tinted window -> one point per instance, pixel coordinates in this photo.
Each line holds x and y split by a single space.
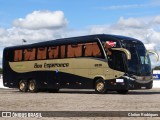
53 52
62 51
17 55
29 54
92 50
74 50
41 53
140 62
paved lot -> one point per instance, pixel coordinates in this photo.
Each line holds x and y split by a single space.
80 100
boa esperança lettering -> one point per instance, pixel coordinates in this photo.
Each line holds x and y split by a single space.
50 65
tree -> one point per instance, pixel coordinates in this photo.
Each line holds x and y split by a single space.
1 70
156 68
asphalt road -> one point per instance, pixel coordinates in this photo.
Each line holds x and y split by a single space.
81 100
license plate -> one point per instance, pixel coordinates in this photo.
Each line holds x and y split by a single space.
119 80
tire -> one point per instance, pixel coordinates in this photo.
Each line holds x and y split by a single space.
32 86
122 91
23 86
100 86
149 86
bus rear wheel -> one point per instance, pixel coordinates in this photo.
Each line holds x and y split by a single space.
23 87
100 86
32 86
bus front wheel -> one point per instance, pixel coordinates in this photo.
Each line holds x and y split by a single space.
32 86
149 86
100 86
23 87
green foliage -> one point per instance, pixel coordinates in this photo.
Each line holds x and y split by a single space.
156 68
1 70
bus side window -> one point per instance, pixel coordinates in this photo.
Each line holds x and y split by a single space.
74 51
29 54
41 53
53 52
88 50
62 51
92 50
17 55
96 50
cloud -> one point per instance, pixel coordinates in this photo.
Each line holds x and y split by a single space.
13 36
152 3
42 20
35 27
150 46
118 7
157 20
2 31
131 22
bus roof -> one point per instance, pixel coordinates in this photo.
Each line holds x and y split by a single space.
75 40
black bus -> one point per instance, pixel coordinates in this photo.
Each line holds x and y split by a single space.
101 62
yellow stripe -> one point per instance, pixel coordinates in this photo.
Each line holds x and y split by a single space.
89 68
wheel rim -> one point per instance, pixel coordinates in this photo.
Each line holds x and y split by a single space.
22 86
31 86
100 86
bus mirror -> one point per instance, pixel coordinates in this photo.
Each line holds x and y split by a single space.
153 52
128 54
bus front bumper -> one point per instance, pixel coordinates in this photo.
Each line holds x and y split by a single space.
124 83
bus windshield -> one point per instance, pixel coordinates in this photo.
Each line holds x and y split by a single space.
140 63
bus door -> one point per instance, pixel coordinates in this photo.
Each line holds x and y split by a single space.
118 58
117 61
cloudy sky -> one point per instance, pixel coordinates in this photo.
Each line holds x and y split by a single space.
42 20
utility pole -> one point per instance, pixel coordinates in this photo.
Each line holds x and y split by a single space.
23 41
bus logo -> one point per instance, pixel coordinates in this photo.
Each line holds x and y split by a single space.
111 43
